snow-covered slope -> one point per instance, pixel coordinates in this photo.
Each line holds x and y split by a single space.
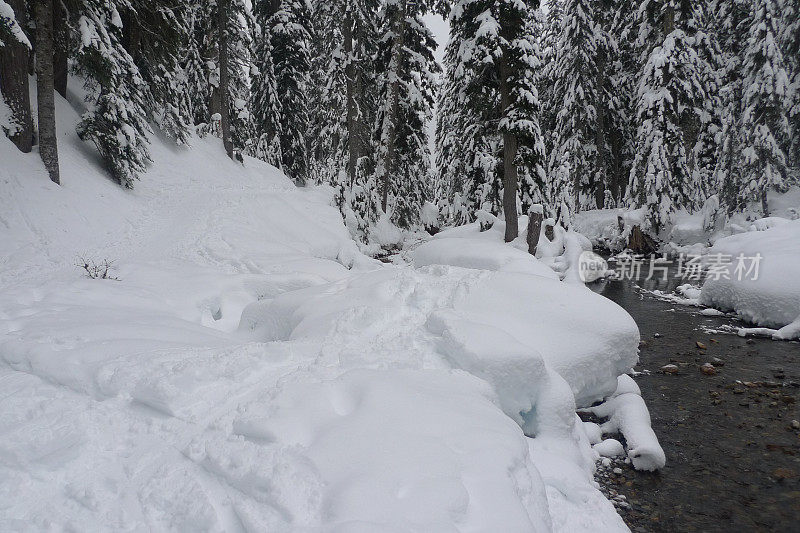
252 371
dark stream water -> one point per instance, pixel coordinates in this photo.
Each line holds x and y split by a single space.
733 456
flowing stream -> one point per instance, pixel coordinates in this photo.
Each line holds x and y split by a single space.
733 454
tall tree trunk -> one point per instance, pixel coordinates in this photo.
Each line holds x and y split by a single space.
222 28
45 90
601 172
353 152
390 117
14 82
60 37
510 176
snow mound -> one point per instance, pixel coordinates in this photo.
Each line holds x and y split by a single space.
250 368
626 413
480 254
773 298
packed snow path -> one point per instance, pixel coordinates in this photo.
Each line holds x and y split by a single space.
250 370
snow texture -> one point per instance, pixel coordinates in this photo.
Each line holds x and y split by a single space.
773 299
251 370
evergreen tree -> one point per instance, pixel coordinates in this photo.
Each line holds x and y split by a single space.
671 96
574 160
764 127
285 64
489 131
408 90
117 122
153 32
344 152
267 108
790 39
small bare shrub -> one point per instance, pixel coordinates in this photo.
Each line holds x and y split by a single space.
97 270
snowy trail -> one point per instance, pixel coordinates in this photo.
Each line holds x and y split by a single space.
252 371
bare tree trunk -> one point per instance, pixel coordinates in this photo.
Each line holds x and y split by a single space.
45 90
353 152
393 98
60 30
510 176
222 28
14 82
765 203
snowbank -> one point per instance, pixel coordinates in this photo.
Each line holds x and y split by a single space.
773 298
251 369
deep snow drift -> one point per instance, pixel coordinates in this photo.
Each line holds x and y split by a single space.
769 297
252 371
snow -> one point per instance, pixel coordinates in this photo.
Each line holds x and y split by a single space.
251 369
10 21
628 414
773 299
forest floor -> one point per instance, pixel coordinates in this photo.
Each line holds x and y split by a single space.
731 439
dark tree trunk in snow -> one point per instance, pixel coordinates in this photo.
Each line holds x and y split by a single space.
765 203
224 104
45 90
60 36
510 177
535 219
14 82
391 116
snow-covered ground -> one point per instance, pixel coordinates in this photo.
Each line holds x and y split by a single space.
251 370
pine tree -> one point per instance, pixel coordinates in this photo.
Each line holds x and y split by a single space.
670 96
575 161
284 55
15 48
764 126
490 109
731 18
408 90
790 39
267 108
117 123
153 32
45 88
344 155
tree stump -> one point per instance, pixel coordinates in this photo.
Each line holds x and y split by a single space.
641 243
534 228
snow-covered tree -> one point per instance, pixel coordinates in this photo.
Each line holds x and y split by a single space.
153 32
577 102
790 39
489 131
345 46
764 124
407 87
117 121
671 96
284 65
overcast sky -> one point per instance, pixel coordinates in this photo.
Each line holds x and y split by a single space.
440 29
